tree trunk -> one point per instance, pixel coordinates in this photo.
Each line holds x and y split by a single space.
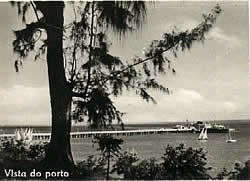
107 176
59 154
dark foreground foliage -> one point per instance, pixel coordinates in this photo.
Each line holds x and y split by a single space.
177 163
21 155
109 147
92 168
240 172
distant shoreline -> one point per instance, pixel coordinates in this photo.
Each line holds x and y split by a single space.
234 121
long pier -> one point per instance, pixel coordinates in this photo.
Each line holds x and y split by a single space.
91 134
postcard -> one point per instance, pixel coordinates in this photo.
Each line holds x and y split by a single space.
124 90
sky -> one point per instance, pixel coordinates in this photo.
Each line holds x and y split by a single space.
211 80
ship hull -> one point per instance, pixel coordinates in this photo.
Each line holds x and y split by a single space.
214 130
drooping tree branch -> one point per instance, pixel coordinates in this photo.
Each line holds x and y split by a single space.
172 41
101 66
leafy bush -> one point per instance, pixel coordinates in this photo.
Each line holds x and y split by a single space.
124 163
177 163
145 170
240 172
21 155
15 150
221 175
91 168
181 163
37 151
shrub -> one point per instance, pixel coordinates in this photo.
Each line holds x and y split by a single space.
222 175
21 155
91 168
181 163
37 151
124 163
145 170
178 163
241 172
16 150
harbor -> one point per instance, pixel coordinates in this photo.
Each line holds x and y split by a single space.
91 134
150 140
80 134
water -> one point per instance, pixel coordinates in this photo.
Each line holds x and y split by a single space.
219 153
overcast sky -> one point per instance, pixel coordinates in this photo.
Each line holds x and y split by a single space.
212 79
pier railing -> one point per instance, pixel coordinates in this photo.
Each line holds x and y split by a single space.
91 134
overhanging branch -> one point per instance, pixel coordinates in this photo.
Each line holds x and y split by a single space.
135 64
184 39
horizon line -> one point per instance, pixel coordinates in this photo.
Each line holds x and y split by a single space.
138 123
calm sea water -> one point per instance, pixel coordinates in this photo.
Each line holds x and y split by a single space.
219 153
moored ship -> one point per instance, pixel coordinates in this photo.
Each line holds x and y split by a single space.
211 128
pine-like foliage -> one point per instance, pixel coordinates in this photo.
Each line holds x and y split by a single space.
110 147
95 75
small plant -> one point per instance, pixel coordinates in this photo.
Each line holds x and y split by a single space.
124 163
222 175
145 170
91 168
240 172
110 147
37 151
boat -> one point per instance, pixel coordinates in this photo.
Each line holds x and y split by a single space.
229 137
203 135
211 128
17 135
24 134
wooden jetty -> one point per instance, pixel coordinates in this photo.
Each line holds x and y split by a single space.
92 134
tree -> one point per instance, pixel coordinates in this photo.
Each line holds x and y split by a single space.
110 147
84 72
60 94
59 153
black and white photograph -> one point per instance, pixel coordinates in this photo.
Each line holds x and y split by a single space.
124 90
